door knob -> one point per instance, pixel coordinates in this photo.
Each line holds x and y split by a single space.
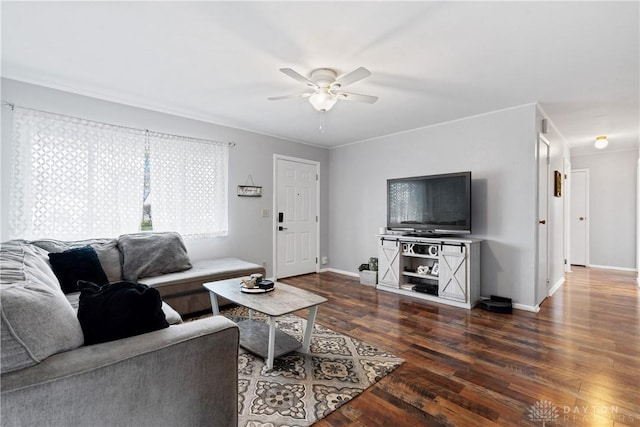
581 218
542 221
281 228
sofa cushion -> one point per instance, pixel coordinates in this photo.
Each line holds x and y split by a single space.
107 250
118 310
206 270
77 264
13 267
152 254
37 321
172 316
184 290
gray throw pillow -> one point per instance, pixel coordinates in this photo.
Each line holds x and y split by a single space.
37 321
107 250
152 254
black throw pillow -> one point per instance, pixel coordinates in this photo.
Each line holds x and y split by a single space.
77 264
118 310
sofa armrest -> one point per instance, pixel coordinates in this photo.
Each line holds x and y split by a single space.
182 375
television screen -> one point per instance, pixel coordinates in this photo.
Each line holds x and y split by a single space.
430 204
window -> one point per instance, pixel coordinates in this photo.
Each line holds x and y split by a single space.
188 185
147 223
74 179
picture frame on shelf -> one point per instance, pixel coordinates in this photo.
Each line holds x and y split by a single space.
435 269
557 184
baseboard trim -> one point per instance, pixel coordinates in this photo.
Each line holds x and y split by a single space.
608 267
556 286
533 309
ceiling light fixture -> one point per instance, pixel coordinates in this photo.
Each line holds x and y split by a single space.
601 142
323 100
327 87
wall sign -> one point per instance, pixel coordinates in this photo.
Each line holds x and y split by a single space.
249 190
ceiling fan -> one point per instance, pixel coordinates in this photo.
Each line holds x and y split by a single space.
327 88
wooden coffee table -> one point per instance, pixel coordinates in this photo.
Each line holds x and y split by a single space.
260 338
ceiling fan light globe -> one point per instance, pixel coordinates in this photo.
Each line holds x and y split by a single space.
323 100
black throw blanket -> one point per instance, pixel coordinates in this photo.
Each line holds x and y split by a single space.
118 310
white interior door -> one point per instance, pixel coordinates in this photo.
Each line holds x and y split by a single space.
296 217
579 218
543 220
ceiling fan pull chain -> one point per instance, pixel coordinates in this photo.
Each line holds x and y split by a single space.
321 128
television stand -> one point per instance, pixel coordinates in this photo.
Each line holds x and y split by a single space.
434 268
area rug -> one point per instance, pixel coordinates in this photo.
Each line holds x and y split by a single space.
303 388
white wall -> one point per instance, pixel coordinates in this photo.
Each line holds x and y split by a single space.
612 207
498 148
250 235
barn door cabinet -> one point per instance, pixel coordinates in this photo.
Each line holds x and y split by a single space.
443 269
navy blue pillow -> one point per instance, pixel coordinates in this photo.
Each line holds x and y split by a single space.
77 264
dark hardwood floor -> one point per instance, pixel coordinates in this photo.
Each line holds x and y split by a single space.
579 356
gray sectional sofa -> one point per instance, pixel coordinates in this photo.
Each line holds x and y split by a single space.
140 257
185 374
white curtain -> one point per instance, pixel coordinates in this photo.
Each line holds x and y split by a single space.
73 178
188 180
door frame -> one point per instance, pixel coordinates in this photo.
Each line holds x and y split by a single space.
587 180
566 189
542 140
274 228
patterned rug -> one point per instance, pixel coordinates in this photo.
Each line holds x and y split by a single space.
303 388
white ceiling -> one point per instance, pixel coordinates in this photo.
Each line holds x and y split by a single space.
432 62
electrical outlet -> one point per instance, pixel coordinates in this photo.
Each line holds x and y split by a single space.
265 213
324 260
264 264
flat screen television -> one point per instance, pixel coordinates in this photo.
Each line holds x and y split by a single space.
430 205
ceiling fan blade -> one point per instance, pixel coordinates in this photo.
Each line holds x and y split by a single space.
352 77
299 77
348 96
295 95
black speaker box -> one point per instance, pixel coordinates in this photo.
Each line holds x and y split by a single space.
427 289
